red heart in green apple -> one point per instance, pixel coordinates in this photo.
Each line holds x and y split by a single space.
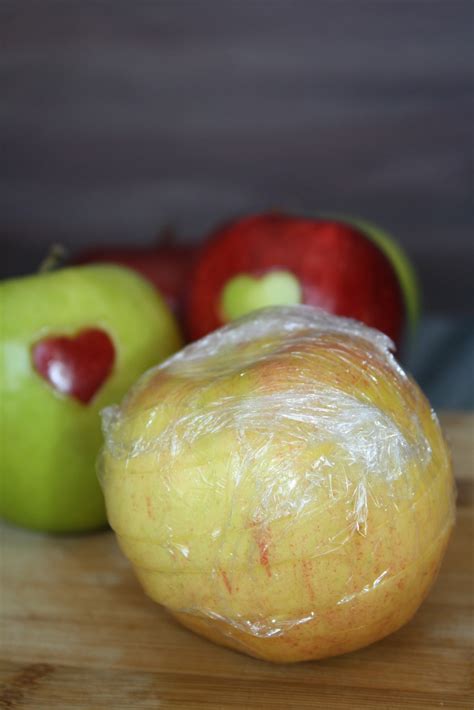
78 365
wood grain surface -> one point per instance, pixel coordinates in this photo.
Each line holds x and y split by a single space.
78 633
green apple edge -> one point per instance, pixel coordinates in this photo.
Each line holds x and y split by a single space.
403 267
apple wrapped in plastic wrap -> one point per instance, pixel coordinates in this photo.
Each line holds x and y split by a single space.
281 485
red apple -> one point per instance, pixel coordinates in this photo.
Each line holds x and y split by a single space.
276 259
165 264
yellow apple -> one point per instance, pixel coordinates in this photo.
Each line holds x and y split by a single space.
281 486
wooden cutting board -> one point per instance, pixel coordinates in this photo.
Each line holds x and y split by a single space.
78 632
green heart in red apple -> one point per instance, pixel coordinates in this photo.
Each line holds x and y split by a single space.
244 293
276 259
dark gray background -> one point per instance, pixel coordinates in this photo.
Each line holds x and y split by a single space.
117 118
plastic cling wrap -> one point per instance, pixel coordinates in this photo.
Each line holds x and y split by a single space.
281 486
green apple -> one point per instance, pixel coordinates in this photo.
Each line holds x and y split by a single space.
72 341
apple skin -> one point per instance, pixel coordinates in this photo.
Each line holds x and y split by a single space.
281 486
402 265
338 267
48 477
166 266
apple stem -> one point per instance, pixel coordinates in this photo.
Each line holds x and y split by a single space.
54 258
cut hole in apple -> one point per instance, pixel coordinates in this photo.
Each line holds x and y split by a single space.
245 293
76 366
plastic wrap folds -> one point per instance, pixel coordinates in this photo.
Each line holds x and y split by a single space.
281 486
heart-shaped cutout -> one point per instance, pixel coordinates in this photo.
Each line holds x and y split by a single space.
244 293
78 365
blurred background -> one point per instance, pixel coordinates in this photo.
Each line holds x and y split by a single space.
116 122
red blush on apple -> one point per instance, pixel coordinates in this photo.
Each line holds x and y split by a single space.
76 366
